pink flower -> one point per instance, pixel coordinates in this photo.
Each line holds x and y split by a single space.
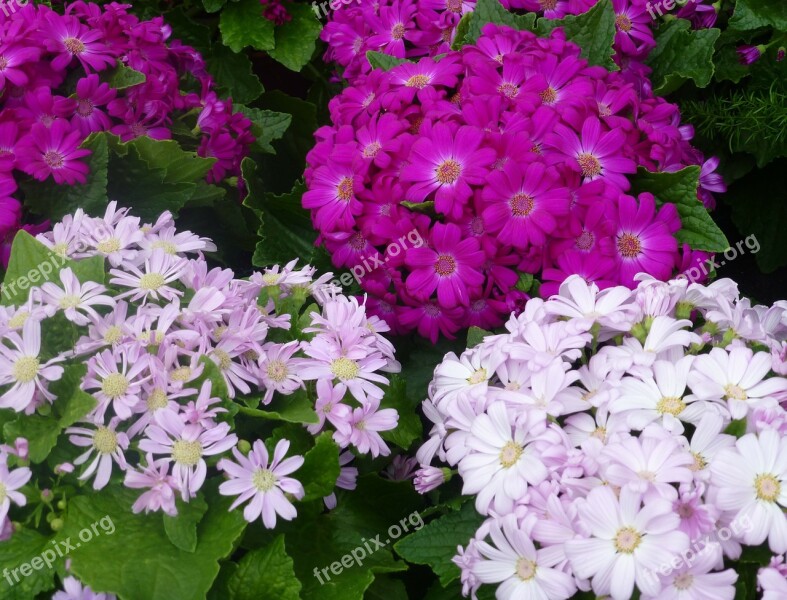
53 151
160 486
75 299
254 478
362 427
108 445
10 482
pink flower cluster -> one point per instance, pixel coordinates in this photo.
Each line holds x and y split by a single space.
411 29
147 338
509 157
53 94
594 436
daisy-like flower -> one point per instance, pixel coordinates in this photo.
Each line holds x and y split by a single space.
74 590
736 377
118 385
628 542
451 265
172 242
90 95
447 163
773 579
264 482
499 465
54 151
706 441
697 581
332 194
468 374
69 39
22 368
10 482
108 446
160 486
351 365
579 299
362 427
160 270
751 482
329 406
661 397
75 299
522 571
186 446
595 154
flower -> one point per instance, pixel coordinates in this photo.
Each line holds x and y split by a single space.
627 540
362 427
751 482
74 590
264 482
10 482
160 485
748 54
53 151
23 369
108 445
75 299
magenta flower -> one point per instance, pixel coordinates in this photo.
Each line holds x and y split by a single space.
69 39
53 151
91 94
447 162
13 55
596 154
254 478
524 203
451 266
748 55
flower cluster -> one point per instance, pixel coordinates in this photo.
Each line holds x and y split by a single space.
619 438
56 89
410 29
170 354
509 157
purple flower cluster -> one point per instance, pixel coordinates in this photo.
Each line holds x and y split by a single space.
595 437
411 29
147 338
53 94
509 157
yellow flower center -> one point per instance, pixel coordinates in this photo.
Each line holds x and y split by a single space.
522 205
3 494
108 246
105 440
73 45
69 301
344 368
510 454
225 362
157 400
114 385
599 433
734 392
509 90
344 191
277 371
186 453
263 479
180 374
113 334
60 249
478 377
683 581
549 95
627 539
26 369
151 281
623 23
19 319
445 265
525 569
589 165
629 245
397 33
768 487
671 404
699 462
448 171
167 247
417 81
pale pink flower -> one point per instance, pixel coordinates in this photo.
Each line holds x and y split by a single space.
155 478
76 300
108 445
362 427
73 590
10 482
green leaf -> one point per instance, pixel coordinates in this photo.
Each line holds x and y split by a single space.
267 125
181 530
213 6
295 39
409 427
461 31
476 335
492 11
680 188
24 546
89 269
40 431
122 77
420 207
30 259
737 427
234 74
593 31
137 561
386 62
53 201
294 408
320 468
267 570
751 14
242 24
386 588
435 544
681 54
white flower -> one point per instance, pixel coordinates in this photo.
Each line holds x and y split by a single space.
74 298
751 481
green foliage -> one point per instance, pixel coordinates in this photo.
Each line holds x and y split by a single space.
234 74
409 428
320 468
435 544
593 32
681 54
23 546
295 40
386 62
680 188
476 335
492 11
751 14
269 569
241 25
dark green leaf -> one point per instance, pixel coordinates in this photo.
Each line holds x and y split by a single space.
294 408
409 427
242 24
681 54
267 571
751 14
182 529
593 31
295 39
234 74
24 546
267 126
122 77
476 335
492 11
320 468
386 62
